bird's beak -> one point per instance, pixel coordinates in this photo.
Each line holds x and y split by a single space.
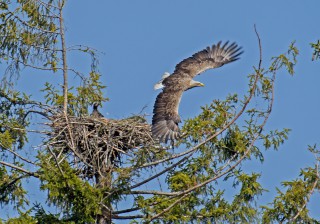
201 84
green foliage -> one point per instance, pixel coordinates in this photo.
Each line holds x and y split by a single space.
212 118
11 189
29 35
316 50
211 207
287 60
275 138
214 145
12 118
290 206
42 217
80 201
87 94
24 218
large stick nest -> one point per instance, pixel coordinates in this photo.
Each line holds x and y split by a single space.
98 143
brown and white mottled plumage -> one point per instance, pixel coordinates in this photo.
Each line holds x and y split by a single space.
165 112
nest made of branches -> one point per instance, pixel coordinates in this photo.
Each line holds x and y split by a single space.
98 143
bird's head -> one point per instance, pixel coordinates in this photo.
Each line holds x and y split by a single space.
194 83
95 106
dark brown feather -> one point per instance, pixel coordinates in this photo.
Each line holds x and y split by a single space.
95 112
165 112
209 58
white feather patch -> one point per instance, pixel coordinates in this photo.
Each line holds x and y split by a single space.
159 85
165 75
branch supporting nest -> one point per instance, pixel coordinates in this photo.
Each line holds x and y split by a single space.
97 143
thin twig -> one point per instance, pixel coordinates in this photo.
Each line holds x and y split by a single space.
19 168
260 48
19 156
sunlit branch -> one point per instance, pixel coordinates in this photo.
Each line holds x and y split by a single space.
19 168
308 196
19 156
48 6
64 60
127 217
160 173
168 208
33 27
16 60
260 47
33 45
56 161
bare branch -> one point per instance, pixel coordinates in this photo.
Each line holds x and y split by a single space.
56 161
260 48
127 217
19 156
64 60
19 168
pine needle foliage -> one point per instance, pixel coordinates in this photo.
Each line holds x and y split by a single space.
100 170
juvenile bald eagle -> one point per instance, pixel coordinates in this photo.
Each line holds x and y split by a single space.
165 112
95 112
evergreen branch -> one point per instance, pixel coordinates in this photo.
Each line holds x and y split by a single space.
16 60
17 101
168 208
128 217
155 192
19 168
308 196
83 48
137 208
126 210
160 173
33 45
33 27
46 69
171 193
47 5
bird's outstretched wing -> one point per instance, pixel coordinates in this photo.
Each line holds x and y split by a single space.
165 113
209 58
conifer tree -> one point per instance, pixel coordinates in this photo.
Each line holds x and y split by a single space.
90 165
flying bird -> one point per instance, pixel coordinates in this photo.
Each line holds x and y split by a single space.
166 118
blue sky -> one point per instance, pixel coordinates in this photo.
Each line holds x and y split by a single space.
143 39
